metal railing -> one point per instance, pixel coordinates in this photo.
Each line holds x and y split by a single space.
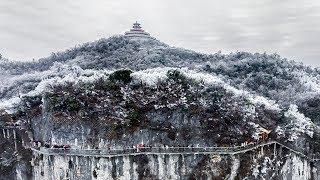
150 150
161 150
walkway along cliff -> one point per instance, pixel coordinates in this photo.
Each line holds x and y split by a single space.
159 162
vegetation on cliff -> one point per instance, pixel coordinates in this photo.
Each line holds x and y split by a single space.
119 84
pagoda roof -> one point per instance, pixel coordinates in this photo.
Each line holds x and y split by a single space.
137 31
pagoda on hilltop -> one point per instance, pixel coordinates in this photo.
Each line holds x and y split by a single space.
137 31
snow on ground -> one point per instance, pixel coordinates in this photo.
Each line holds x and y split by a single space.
300 123
9 104
311 83
152 76
58 74
62 74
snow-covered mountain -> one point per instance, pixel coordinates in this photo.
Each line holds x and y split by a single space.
124 90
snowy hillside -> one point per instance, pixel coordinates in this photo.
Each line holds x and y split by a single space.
267 75
119 86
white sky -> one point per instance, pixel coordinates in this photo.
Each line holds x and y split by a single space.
30 29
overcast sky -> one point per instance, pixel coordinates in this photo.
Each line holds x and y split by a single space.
30 29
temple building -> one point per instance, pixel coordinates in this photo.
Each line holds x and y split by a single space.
137 31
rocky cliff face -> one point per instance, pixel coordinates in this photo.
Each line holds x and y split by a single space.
259 164
119 93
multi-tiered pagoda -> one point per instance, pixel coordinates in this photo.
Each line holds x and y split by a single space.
137 31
